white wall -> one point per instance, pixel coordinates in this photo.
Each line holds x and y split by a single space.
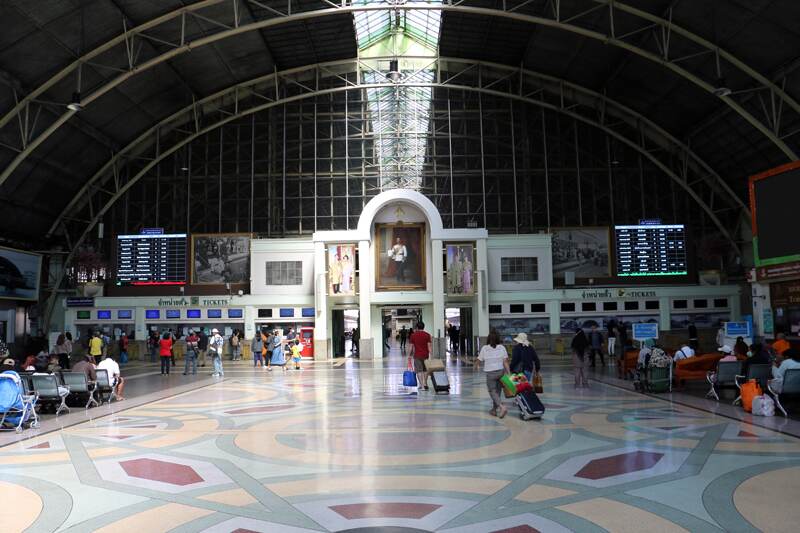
263 250
538 246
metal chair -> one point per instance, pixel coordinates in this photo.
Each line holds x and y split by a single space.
724 376
104 386
761 373
791 386
46 386
79 385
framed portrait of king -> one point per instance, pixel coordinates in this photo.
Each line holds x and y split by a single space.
460 272
399 257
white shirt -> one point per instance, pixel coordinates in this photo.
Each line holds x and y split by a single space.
110 366
398 252
493 357
787 364
216 342
684 353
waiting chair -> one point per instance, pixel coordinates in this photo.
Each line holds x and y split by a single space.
791 386
46 387
16 408
104 387
723 376
79 385
760 373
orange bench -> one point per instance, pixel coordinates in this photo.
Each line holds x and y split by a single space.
627 363
695 368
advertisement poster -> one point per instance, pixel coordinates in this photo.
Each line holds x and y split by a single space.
460 273
341 269
399 257
220 258
19 274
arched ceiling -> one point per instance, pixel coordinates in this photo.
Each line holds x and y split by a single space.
140 61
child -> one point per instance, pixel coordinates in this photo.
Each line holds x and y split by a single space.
296 354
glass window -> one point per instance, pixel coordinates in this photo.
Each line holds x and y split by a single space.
567 307
609 306
495 309
284 272
519 269
631 306
720 302
651 304
589 306
517 308
700 304
538 308
680 304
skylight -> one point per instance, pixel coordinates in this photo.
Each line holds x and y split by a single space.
400 111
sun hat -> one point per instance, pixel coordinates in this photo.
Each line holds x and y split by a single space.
215 330
522 338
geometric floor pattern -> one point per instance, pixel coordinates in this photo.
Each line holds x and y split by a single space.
348 449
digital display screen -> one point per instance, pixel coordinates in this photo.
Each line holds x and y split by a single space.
151 259
235 313
173 313
651 250
286 312
773 201
193 313
125 314
84 315
215 313
104 315
152 314
308 312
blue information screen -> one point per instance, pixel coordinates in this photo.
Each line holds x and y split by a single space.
215 313
235 313
193 313
152 314
737 329
104 315
286 312
173 313
308 312
645 330
125 314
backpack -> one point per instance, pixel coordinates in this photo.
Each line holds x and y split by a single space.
659 359
763 405
234 340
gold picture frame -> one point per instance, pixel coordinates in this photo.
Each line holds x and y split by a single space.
392 274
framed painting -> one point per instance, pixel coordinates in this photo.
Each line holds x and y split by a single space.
399 257
341 269
584 251
220 258
460 270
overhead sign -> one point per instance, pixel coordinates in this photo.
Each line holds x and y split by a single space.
152 231
80 301
645 330
737 329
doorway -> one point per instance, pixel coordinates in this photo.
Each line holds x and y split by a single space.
458 325
398 323
344 332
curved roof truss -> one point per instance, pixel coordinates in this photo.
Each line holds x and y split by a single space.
229 26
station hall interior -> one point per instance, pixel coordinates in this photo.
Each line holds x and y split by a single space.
399 266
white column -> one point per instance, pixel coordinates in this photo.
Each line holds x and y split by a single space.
664 318
437 288
365 287
321 341
139 326
481 311
249 322
554 308
735 301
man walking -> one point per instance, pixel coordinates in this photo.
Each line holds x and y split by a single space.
596 346
215 344
202 347
612 338
191 353
421 347
403 338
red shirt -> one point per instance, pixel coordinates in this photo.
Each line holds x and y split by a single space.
165 345
419 340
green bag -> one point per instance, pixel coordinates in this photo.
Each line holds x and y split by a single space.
509 387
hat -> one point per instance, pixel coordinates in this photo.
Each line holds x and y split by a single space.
215 330
725 349
650 343
522 338
9 362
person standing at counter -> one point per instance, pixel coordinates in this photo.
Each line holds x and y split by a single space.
256 346
202 347
191 353
165 352
215 344
95 347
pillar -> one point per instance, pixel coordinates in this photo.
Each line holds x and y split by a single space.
664 318
366 345
437 289
321 332
481 312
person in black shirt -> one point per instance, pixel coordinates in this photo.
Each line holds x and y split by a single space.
523 357
579 344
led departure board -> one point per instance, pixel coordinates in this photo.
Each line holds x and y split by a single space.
651 250
151 259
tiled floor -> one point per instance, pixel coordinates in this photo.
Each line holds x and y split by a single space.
338 448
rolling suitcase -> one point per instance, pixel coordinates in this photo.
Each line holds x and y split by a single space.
530 407
440 382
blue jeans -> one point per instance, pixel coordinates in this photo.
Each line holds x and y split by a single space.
153 354
257 358
217 360
190 359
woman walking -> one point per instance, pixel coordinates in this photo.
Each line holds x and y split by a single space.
579 344
165 352
494 357
524 358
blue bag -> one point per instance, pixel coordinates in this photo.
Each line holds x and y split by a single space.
409 378
278 358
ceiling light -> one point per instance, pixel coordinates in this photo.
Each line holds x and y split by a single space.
75 104
394 70
722 89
